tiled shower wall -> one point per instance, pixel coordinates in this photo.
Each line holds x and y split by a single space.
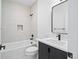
14 14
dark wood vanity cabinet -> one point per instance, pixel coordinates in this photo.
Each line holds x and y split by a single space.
48 52
43 51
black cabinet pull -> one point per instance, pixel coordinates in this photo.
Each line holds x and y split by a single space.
48 53
48 50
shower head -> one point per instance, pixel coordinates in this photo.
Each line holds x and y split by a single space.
31 14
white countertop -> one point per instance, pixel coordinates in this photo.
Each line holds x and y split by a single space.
62 44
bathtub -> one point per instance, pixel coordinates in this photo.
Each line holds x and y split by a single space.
16 50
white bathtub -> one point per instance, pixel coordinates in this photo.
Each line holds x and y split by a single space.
16 50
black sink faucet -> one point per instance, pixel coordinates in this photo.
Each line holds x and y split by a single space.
1 46
59 36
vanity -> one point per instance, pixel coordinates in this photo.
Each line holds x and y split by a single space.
52 49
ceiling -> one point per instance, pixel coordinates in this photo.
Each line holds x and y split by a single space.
24 2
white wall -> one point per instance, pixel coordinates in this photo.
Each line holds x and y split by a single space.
34 11
14 14
0 26
73 27
44 18
44 23
0 21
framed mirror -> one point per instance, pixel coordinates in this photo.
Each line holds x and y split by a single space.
59 18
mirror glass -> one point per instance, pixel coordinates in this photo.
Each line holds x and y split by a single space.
59 18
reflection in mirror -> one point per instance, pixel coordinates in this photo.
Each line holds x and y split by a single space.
59 18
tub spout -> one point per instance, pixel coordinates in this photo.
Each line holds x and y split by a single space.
1 46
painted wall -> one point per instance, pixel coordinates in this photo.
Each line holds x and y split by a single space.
44 19
34 11
0 26
0 21
73 27
14 14
44 24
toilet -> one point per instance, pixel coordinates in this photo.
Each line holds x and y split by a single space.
31 52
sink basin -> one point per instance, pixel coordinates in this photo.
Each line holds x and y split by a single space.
62 44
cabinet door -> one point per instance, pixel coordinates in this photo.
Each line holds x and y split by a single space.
43 51
57 54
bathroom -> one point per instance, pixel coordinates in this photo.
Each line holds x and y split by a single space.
24 22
